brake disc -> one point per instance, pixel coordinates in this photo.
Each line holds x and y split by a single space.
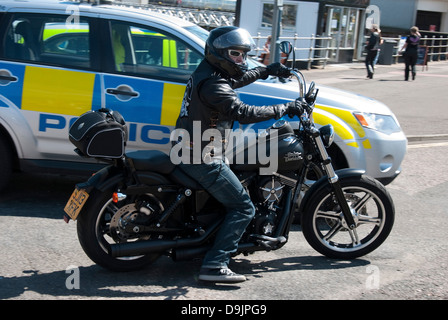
121 220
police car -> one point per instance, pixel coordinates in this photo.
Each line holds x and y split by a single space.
59 60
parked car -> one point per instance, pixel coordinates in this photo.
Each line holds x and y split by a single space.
60 60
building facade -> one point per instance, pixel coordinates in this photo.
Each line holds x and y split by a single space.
342 20
399 15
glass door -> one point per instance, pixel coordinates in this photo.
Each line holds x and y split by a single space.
342 26
333 31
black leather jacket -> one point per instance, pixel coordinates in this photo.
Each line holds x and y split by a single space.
210 102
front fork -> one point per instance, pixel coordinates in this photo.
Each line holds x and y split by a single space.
333 179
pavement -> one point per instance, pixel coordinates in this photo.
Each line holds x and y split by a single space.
420 105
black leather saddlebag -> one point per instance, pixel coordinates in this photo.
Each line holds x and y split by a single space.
99 134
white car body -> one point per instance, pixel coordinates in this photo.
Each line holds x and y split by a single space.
40 99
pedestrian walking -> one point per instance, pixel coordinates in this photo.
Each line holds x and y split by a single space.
372 47
410 52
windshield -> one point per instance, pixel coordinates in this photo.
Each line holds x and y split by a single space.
198 32
203 35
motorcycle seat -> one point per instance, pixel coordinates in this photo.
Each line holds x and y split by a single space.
160 162
151 160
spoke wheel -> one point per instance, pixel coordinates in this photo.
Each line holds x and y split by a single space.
372 209
97 231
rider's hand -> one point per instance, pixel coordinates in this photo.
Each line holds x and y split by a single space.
278 70
295 108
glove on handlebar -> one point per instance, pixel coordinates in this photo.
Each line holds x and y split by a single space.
279 70
295 108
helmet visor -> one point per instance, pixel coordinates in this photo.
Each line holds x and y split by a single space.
238 38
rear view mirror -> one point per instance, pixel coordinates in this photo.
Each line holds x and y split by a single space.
286 47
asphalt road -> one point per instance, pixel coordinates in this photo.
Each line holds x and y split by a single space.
41 258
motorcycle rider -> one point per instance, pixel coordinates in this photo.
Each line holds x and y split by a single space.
210 102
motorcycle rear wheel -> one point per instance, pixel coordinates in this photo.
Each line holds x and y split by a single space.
93 229
324 226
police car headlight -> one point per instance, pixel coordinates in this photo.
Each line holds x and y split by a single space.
380 122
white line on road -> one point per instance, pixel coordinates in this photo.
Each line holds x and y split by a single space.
428 145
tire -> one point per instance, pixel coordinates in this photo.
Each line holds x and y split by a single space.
324 227
93 223
5 164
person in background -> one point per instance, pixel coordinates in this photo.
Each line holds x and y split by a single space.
372 47
410 49
264 57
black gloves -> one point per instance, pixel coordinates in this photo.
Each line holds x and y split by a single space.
278 70
295 108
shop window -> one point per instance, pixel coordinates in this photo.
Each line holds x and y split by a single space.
288 16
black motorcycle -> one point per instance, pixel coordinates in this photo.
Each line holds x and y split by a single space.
142 206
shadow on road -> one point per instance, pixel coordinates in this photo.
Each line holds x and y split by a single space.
163 280
47 192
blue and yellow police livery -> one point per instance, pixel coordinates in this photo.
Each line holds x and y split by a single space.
59 60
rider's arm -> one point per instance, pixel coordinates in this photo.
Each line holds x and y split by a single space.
249 77
261 72
217 93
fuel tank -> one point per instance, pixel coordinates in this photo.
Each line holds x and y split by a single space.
288 151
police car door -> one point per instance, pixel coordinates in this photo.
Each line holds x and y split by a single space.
146 82
49 80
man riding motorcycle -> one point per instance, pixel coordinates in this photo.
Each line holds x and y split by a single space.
210 102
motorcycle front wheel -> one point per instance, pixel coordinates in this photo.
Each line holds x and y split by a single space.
95 235
372 208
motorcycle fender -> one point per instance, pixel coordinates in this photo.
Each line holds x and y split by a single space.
323 182
109 177
104 181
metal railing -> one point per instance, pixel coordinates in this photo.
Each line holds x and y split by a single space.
202 17
317 49
437 47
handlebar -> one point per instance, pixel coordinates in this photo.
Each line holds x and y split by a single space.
301 79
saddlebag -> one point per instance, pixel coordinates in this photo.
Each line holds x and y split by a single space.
99 134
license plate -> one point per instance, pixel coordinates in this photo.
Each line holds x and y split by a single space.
75 203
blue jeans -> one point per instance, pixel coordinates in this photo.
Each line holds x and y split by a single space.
217 178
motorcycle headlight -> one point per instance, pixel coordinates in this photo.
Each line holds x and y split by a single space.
380 122
327 134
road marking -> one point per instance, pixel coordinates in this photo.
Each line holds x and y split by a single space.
428 145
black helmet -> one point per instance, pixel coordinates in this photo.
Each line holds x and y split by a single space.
217 46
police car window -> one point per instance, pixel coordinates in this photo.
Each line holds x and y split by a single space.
48 39
148 52
21 40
